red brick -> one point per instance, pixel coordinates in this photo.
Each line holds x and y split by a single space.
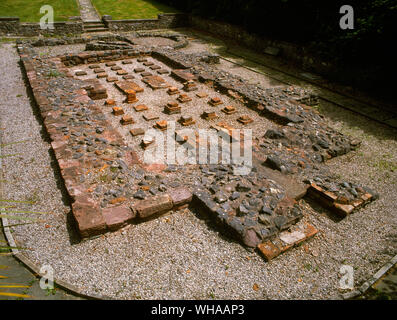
343 209
118 111
269 250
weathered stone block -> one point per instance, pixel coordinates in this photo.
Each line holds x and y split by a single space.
153 206
118 217
137 131
140 108
88 217
180 196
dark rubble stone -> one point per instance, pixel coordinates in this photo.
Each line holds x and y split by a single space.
243 210
264 219
274 134
242 187
153 191
214 188
249 222
236 225
274 162
235 195
139 195
266 210
280 222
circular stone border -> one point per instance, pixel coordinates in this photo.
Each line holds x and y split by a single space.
27 263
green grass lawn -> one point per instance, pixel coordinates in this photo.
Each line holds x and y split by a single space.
131 9
29 10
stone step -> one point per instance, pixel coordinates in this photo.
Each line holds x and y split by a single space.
97 30
92 21
93 24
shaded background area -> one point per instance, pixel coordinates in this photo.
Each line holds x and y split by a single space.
364 54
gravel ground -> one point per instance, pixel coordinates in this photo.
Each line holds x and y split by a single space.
180 256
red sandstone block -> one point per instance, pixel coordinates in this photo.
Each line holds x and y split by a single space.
128 85
184 98
110 102
85 56
172 91
137 132
183 75
153 206
117 217
269 250
245 119
128 77
64 163
215 101
161 125
229 110
343 209
88 216
180 197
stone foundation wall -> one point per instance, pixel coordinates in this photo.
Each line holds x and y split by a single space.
164 21
11 26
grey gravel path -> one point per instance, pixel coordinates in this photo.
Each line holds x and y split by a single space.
87 11
180 255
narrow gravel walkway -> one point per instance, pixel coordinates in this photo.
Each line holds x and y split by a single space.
14 95
87 11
